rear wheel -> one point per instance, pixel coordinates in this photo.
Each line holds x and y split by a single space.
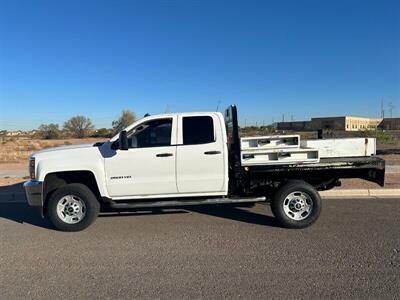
296 205
73 207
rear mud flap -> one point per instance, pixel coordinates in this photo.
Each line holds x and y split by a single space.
375 175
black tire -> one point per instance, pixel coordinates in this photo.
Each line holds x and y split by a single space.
92 207
281 199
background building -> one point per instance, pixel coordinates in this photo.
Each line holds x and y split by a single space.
346 123
390 124
359 123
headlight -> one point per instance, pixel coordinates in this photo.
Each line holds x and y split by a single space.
32 168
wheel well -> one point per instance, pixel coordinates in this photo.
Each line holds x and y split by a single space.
53 181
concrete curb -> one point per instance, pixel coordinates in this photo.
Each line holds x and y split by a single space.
361 193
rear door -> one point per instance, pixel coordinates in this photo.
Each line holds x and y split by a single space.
200 155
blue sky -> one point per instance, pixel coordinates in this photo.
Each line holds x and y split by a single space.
299 58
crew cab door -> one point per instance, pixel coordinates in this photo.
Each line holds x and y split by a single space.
148 166
201 155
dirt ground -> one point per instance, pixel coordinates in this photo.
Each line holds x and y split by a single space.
392 181
391 159
23 165
18 149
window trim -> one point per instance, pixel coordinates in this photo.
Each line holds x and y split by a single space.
197 116
172 144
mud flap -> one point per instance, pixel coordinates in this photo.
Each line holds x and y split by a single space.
376 174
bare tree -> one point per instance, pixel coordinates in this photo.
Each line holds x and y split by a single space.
49 131
127 117
103 132
78 126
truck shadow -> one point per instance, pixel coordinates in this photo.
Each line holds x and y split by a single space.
225 211
13 207
21 212
236 213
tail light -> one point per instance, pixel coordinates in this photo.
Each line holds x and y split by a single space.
32 168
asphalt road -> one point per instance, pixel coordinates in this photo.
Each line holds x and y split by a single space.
353 251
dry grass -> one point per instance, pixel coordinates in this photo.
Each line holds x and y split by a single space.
18 149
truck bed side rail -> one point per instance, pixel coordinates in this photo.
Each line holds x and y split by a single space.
368 168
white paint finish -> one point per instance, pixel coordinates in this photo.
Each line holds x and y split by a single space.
79 158
198 172
347 147
138 171
269 142
279 157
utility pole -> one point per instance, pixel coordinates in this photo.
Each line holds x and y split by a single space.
283 117
382 110
219 101
292 118
391 107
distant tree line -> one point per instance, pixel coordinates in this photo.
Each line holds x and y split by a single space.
81 127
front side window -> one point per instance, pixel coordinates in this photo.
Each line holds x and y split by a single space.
155 133
198 130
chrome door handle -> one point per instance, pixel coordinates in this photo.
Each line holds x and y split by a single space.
212 152
164 154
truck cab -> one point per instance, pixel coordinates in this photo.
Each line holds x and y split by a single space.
168 156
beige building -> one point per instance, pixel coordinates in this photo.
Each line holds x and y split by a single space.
359 123
346 123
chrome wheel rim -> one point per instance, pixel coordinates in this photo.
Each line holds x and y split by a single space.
298 205
71 209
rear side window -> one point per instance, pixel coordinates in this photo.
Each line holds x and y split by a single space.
198 130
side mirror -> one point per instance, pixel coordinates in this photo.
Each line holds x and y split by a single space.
123 140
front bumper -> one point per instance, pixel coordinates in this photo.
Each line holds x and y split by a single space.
34 192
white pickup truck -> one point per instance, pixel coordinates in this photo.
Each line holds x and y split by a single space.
180 159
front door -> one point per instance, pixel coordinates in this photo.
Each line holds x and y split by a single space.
148 166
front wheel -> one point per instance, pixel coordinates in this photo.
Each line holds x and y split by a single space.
296 205
73 207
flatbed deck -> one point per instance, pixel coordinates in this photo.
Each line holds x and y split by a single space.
330 163
370 168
